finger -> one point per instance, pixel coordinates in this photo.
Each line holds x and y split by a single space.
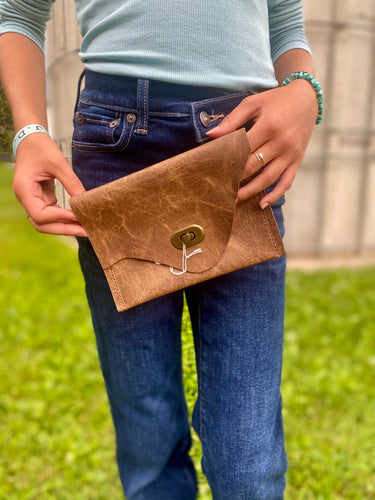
59 228
56 167
43 214
71 182
269 175
244 112
42 205
53 213
258 159
285 182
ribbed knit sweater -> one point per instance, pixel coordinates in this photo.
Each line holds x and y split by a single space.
229 44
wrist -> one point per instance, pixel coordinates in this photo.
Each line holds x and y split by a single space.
314 85
307 93
25 132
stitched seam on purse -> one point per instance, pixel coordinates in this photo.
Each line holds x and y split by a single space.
267 223
119 294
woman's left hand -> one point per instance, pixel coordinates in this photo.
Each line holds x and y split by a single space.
283 119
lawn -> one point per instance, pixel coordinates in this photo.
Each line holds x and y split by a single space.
56 436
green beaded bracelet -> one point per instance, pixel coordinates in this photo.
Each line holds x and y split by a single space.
315 85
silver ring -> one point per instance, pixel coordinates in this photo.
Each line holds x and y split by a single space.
260 157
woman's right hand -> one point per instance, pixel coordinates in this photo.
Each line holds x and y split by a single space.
39 162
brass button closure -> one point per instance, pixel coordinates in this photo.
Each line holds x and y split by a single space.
190 235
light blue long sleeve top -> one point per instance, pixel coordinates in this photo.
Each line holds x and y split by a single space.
229 44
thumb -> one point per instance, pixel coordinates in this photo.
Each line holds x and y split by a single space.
70 181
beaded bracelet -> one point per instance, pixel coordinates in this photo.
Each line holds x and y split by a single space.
315 85
24 132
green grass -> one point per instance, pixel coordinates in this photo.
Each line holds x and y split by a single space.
56 436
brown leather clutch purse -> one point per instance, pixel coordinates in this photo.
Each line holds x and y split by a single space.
177 223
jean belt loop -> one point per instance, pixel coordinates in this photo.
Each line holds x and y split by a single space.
142 105
79 88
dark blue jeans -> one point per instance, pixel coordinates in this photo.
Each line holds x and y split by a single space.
123 125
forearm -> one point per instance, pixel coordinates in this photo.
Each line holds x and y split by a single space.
22 73
283 119
292 61
39 160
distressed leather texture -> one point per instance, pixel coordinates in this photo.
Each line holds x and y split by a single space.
130 222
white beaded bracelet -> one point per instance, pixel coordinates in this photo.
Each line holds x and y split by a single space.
24 132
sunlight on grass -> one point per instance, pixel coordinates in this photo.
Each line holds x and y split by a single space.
56 434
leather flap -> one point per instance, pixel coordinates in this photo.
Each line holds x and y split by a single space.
134 217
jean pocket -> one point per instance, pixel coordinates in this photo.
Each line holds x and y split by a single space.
98 128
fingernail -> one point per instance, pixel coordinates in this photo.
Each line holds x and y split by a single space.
212 130
264 205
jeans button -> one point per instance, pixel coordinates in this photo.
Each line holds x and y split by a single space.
130 118
205 119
